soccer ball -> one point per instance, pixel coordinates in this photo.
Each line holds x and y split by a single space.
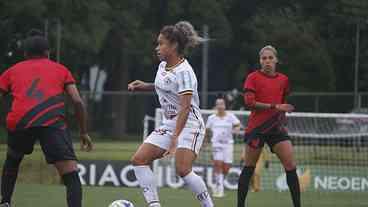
121 203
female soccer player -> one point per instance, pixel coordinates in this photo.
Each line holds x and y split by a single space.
37 86
221 126
182 132
265 94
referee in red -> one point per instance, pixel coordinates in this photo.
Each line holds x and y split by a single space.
37 86
265 94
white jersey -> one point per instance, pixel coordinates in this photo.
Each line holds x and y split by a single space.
222 127
170 85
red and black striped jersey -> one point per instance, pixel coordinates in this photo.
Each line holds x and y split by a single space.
37 86
266 89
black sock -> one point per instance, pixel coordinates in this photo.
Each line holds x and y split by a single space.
293 183
9 177
243 184
73 189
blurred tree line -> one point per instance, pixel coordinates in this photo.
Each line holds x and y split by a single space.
315 39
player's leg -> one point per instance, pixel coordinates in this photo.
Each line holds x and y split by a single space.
58 149
228 155
187 151
184 159
141 161
19 143
228 158
10 174
153 148
68 171
256 185
284 151
252 151
218 162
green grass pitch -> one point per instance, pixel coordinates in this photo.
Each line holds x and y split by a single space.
44 194
30 195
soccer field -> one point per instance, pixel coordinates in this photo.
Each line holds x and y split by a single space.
29 195
34 170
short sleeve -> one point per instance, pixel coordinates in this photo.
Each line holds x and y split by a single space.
209 123
235 120
249 84
186 82
5 81
68 78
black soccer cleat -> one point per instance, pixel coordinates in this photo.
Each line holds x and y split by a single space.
4 204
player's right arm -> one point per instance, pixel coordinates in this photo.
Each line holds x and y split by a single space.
250 98
81 114
139 85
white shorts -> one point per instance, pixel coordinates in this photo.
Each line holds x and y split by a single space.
223 152
189 138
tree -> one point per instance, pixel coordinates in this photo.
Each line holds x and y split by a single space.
303 55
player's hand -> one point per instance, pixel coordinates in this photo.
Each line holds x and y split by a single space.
86 142
172 149
285 107
137 84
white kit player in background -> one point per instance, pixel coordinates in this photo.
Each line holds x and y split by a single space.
220 128
182 132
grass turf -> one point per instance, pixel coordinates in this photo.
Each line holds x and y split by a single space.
35 170
29 195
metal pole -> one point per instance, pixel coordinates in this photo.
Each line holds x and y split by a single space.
205 67
46 28
356 67
58 41
46 33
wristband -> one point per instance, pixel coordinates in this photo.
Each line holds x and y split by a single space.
273 106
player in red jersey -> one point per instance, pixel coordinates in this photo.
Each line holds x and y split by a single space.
265 94
37 86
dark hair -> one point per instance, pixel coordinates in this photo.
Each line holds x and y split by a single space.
223 97
35 44
182 33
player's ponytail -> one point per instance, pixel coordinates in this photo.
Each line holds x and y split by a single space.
184 34
192 39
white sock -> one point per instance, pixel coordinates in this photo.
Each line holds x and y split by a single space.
147 182
219 177
197 186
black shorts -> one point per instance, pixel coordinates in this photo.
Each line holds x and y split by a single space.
258 140
56 143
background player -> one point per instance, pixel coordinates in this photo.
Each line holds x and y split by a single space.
222 126
183 129
37 86
265 94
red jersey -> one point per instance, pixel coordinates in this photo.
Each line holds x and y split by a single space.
37 87
266 89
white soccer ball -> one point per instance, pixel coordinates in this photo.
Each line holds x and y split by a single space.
121 203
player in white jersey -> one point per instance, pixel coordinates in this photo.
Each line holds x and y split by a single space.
221 126
182 132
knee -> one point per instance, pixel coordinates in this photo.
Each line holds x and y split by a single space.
289 165
139 160
66 166
182 171
250 163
